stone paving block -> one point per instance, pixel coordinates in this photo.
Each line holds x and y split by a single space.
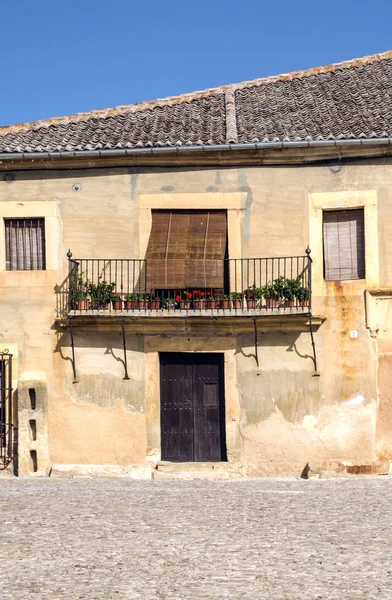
248 539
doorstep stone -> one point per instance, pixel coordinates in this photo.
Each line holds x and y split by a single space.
81 470
191 475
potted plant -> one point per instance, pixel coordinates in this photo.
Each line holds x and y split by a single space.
186 300
199 299
170 303
117 302
131 301
79 290
144 301
252 294
271 294
212 301
303 296
226 303
155 302
279 285
236 298
291 287
101 294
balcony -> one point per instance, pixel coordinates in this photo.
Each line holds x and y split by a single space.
103 291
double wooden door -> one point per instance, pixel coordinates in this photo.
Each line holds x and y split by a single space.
192 407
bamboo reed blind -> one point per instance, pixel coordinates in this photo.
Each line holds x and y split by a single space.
25 244
186 249
344 244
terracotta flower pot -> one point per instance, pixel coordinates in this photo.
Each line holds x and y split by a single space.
155 304
82 304
131 304
212 304
272 302
226 304
251 304
237 304
185 305
143 304
199 304
289 303
303 303
117 305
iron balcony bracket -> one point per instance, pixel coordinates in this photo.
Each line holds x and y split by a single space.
310 259
75 379
316 373
126 376
256 343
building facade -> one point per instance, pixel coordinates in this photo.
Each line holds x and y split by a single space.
202 281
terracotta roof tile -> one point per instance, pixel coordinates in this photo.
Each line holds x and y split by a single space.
346 100
332 104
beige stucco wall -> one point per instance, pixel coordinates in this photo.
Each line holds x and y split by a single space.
278 415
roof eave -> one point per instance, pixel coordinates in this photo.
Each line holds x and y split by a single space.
275 145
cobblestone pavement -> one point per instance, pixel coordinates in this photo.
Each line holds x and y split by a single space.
179 540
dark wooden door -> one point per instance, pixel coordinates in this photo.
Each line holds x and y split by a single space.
192 407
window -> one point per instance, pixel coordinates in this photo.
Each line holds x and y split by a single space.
25 244
344 244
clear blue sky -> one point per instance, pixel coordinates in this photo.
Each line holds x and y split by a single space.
66 56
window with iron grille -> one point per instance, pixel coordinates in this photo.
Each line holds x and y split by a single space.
344 244
25 244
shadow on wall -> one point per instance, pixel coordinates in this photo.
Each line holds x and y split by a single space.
61 292
272 340
111 343
283 383
280 382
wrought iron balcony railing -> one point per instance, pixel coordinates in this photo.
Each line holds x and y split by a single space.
193 287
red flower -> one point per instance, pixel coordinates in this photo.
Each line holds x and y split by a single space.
202 294
250 295
178 298
189 295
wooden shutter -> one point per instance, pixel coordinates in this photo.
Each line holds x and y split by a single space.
165 267
186 249
25 244
344 244
206 249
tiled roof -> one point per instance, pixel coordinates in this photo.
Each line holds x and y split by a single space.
342 101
